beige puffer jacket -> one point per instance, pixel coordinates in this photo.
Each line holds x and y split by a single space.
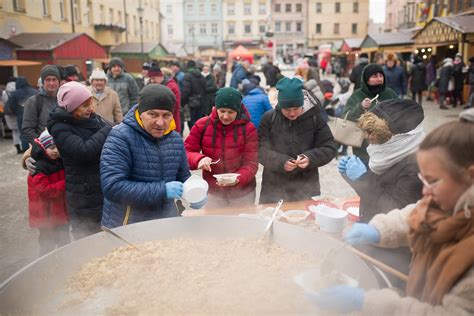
108 106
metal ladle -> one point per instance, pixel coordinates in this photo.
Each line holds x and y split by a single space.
108 230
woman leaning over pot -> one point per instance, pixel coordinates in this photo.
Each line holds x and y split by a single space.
439 230
227 137
79 135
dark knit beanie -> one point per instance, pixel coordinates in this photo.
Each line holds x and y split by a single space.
71 70
155 71
363 55
371 69
156 96
229 98
402 116
290 93
191 64
116 61
49 70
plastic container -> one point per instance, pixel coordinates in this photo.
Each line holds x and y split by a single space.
312 281
267 213
195 189
226 178
330 220
296 216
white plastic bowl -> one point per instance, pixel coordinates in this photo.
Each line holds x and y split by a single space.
267 213
312 281
195 189
330 220
226 178
296 216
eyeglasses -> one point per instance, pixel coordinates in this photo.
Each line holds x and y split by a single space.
427 184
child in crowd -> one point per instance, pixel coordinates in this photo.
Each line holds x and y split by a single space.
47 195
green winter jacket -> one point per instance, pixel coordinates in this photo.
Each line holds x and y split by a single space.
354 109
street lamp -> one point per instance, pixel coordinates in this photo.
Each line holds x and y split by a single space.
140 11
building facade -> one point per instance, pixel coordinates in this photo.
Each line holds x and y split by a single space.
289 21
109 22
202 24
172 31
245 21
330 21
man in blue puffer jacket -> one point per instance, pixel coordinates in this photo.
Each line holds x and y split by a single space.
143 163
256 101
396 78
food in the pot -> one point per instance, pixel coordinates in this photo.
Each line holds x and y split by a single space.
199 277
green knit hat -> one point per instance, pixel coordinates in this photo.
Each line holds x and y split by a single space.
228 98
290 92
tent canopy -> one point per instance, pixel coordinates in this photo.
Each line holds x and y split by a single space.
241 53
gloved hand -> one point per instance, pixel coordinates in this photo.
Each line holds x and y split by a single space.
198 205
30 165
174 190
362 234
341 298
355 168
342 166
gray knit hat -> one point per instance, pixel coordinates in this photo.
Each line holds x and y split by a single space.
156 96
49 70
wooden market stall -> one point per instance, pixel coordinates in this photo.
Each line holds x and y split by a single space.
55 48
132 56
384 43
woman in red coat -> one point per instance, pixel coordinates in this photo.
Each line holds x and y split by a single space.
226 136
47 195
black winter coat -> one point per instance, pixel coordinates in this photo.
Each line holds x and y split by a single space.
210 94
458 76
445 75
271 73
418 77
282 140
396 188
356 74
193 84
80 144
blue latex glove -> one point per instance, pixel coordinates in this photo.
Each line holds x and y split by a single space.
174 190
341 298
342 166
355 168
198 205
362 234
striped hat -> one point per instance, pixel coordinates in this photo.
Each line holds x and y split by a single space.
45 140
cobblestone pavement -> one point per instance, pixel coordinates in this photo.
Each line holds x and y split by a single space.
18 243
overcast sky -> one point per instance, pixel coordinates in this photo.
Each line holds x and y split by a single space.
377 10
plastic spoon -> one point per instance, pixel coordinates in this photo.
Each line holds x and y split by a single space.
277 208
375 98
214 162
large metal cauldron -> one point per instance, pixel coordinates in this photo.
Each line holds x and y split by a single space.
34 289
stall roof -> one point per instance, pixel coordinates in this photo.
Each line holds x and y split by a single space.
135 48
462 23
42 41
354 42
388 39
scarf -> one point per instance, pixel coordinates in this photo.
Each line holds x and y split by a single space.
171 128
383 156
442 245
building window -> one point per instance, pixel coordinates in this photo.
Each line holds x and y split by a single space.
318 7
277 7
76 5
247 8
247 28
288 26
288 7
214 28
262 28
89 15
202 29
299 7
111 16
119 19
337 7
102 14
355 7
19 6
277 26
170 29
354 28
191 29
336 28
169 9
62 10
127 23
262 8
230 9
201 8
213 8
135 25
231 28
318 28
299 26
46 8
189 7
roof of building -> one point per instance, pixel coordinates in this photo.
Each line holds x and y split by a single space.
42 41
354 42
461 23
135 48
388 39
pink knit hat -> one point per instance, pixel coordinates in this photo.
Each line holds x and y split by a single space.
71 95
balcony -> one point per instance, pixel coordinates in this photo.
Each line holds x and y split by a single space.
109 27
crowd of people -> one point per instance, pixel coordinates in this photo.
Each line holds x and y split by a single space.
112 153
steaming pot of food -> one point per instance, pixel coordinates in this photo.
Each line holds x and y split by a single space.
39 287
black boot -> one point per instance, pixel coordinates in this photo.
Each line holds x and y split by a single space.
18 149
